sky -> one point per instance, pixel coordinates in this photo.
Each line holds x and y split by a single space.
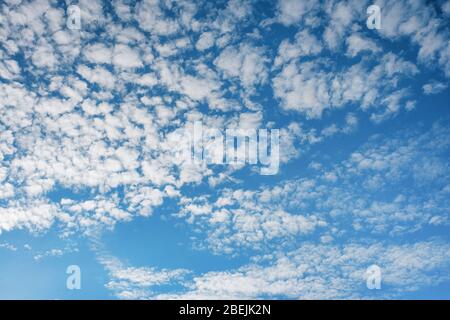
98 106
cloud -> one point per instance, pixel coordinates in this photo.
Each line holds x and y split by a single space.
434 87
349 198
356 44
292 11
205 41
98 75
311 87
136 282
98 53
306 44
37 216
90 121
247 63
125 57
325 272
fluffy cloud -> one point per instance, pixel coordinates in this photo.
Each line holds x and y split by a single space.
307 88
325 272
247 63
434 87
90 121
136 283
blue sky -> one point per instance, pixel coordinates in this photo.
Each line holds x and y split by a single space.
90 116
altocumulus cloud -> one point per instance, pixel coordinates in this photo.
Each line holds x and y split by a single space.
90 121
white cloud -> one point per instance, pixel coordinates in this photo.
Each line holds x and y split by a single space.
325 272
44 56
356 44
126 57
310 88
151 18
98 75
98 53
36 216
205 41
292 11
434 87
246 62
306 44
136 283
95 128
